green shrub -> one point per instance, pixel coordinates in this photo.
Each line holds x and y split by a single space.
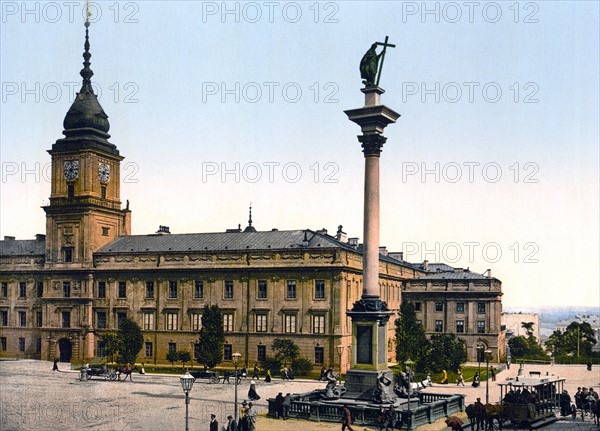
301 367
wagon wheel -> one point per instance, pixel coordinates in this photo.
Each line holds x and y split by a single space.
214 379
112 375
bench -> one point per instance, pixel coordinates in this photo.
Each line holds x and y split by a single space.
535 373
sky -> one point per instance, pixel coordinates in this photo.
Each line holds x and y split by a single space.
493 163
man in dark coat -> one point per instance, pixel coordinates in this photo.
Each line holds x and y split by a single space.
214 424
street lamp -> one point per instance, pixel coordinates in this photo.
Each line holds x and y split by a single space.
236 358
340 350
187 381
408 363
479 351
488 352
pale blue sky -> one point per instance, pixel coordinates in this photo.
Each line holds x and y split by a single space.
171 61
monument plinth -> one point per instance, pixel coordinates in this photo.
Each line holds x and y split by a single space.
370 314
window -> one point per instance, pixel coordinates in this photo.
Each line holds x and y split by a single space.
418 306
22 318
172 289
122 289
460 326
105 231
319 289
22 289
291 289
38 345
149 321
150 289
261 322
196 321
68 254
103 192
70 190
4 289
148 349
172 322
101 289
460 307
67 289
480 327
481 307
101 319
319 355
196 350
261 353
198 289
172 347
227 352
439 306
318 324
66 319
40 289
3 343
228 322
289 323
439 326
121 317
228 292
262 289
4 317
21 344
39 319
101 349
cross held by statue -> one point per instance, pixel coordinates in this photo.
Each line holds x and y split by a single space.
385 44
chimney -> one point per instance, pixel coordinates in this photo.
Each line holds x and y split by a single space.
305 239
353 242
383 250
163 230
398 255
341 235
9 238
40 237
426 265
489 272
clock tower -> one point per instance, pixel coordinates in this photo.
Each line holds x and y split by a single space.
85 211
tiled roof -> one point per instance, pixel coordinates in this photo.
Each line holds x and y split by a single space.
222 241
20 247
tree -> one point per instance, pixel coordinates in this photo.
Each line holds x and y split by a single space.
285 350
519 346
172 357
111 346
411 342
447 352
212 337
130 340
184 357
576 340
528 326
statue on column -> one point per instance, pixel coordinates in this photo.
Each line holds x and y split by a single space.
370 68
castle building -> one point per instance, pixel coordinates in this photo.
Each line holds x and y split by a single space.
60 292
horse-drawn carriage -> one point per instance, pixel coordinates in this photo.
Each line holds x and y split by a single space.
531 401
212 376
101 371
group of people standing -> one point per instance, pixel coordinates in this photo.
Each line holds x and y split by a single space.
247 421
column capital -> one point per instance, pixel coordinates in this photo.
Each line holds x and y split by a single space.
372 144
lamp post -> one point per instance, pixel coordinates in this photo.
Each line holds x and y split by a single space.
340 350
236 358
488 352
187 381
408 363
479 352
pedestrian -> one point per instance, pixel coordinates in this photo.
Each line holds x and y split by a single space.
251 417
243 421
346 418
508 364
55 366
252 395
322 376
231 425
380 419
279 405
256 370
287 404
460 378
268 377
444 377
390 418
589 366
214 424
493 373
429 381
142 370
476 380
565 403
285 374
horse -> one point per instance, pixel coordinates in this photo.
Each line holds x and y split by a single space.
127 371
493 412
239 374
476 414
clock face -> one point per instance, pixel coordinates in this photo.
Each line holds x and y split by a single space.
71 169
103 172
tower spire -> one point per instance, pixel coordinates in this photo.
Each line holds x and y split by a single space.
87 73
250 228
